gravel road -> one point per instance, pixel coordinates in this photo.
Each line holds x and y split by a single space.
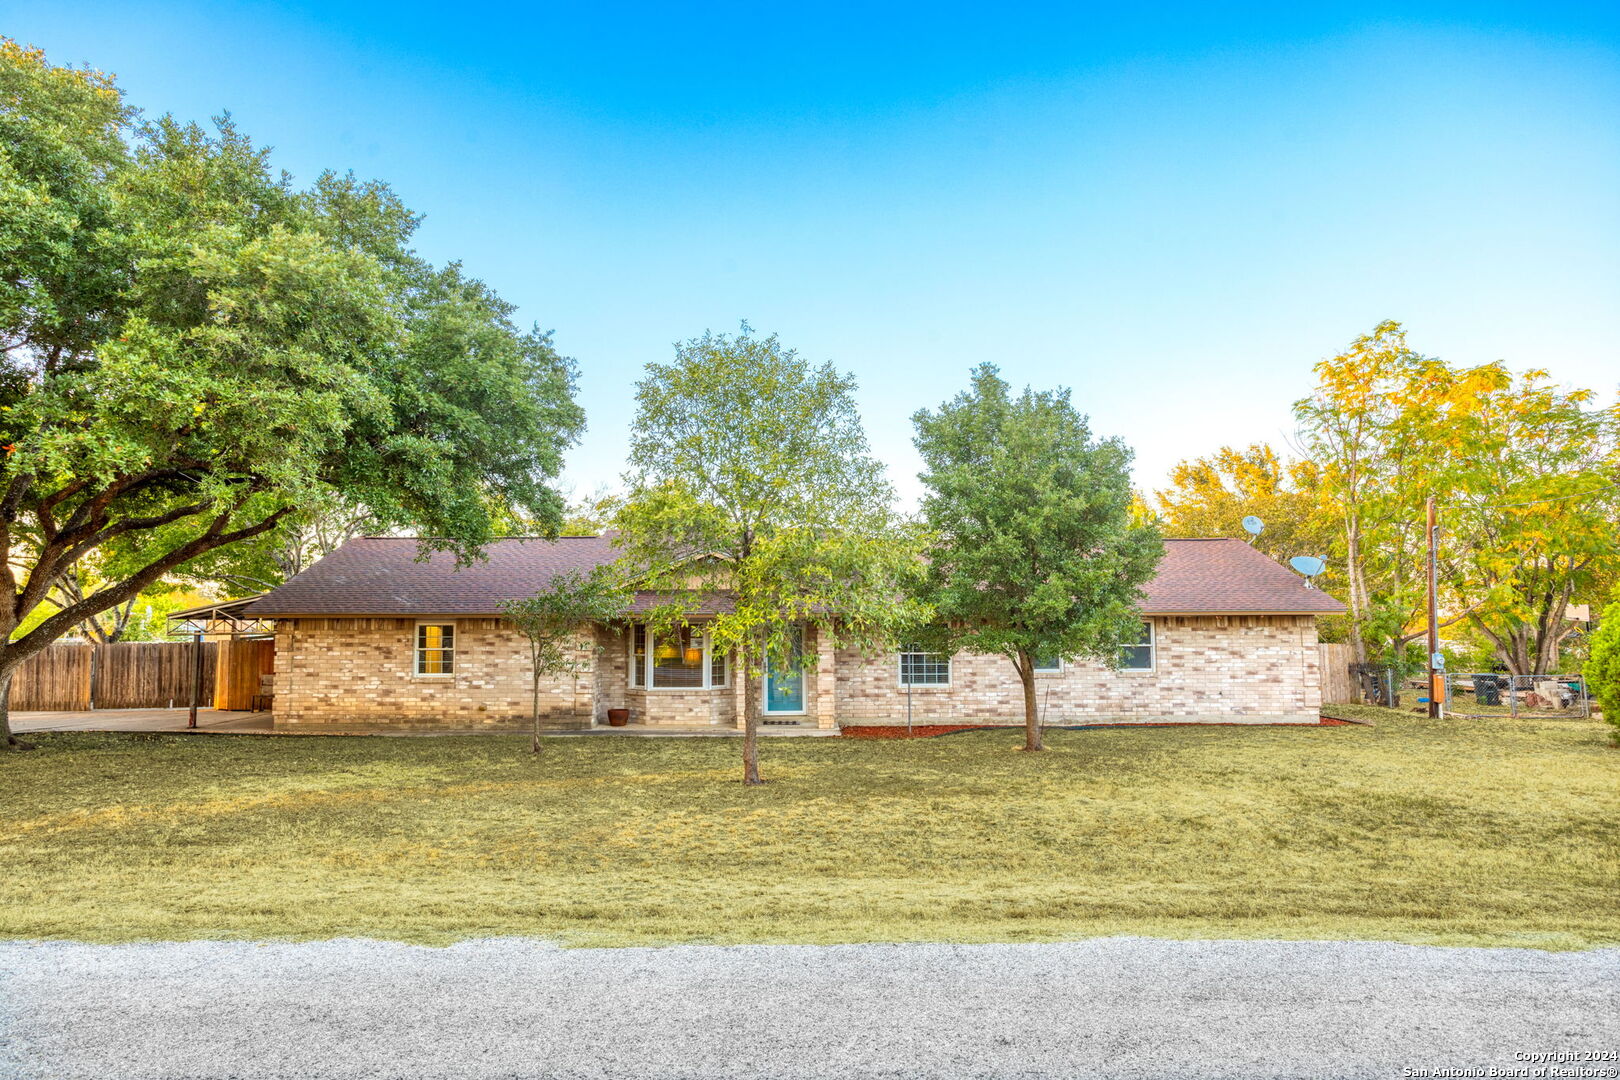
1118 1007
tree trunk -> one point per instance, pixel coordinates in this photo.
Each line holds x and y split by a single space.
1032 717
534 715
7 739
751 748
750 728
1357 588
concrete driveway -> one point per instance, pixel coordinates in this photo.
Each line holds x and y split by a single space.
1118 1007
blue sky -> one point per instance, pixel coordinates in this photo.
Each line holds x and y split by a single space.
1173 212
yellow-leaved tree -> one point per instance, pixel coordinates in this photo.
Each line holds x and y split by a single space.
1524 473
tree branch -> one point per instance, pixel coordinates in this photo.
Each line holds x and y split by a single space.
54 626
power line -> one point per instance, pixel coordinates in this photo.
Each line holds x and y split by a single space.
1537 502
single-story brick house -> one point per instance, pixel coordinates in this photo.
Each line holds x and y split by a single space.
371 637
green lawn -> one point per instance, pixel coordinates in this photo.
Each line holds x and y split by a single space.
1462 831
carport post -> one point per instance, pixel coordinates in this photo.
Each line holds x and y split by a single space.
196 676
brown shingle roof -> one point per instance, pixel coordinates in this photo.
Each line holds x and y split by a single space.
380 576
1228 576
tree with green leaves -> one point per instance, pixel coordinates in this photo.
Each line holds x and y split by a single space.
1033 551
1602 669
193 351
751 478
559 626
1529 497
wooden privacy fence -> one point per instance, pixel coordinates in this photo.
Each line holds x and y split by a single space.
124 675
1338 685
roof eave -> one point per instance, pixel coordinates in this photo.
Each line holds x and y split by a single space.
1239 611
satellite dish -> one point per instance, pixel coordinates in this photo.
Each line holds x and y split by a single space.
1307 566
1253 526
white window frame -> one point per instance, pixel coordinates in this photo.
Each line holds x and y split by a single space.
417 650
900 670
650 663
1057 669
1152 647
631 666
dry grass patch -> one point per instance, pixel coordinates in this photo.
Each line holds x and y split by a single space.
1460 831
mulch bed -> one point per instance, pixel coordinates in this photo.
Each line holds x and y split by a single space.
918 731
928 731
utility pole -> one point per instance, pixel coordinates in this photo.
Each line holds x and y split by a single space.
1437 677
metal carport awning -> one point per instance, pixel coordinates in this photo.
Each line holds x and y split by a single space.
222 619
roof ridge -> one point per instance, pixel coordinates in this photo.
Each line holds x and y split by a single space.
492 540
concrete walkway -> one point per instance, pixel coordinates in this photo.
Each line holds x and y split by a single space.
139 720
1113 1008
219 721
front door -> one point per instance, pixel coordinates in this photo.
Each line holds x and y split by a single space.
784 684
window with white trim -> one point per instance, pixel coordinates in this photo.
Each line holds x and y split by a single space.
435 648
1050 665
718 669
680 659
919 668
1138 655
638 655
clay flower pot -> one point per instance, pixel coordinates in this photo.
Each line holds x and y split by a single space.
618 717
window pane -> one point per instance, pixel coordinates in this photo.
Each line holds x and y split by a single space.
1051 663
924 668
638 656
1138 655
678 659
717 667
435 649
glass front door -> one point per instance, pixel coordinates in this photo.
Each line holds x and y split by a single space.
784 684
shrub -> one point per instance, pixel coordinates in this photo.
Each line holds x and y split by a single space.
1603 667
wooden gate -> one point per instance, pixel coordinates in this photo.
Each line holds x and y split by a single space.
1338 685
243 665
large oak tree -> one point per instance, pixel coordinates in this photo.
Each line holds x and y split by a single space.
193 350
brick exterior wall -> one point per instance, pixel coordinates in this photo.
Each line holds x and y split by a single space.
611 673
359 672
665 707
1209 668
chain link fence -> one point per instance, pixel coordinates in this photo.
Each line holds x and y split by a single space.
1377 684
1528 696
